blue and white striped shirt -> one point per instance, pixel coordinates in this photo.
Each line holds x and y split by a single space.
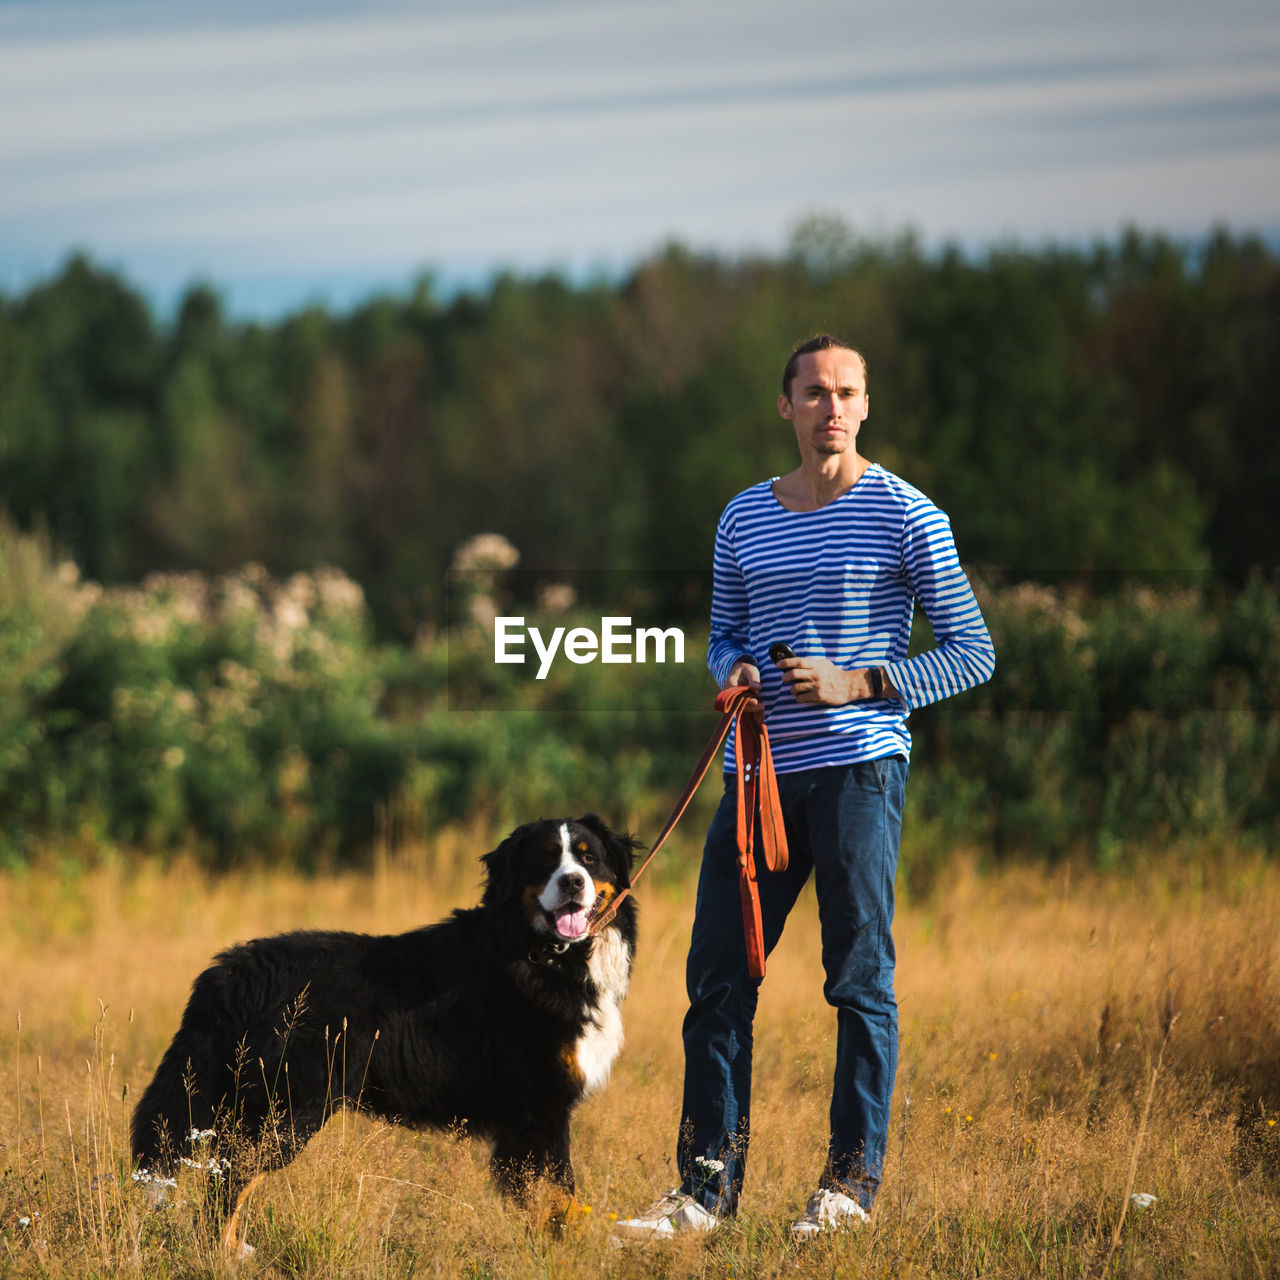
841 582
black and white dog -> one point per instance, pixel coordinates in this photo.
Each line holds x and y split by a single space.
498 1020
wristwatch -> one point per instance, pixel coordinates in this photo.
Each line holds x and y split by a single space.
876 679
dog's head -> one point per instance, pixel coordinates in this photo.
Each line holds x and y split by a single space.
556 872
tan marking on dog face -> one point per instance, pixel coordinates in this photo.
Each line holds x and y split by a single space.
532 906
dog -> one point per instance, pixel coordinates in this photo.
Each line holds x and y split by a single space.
497 1022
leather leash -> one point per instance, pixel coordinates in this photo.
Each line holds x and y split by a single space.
757 791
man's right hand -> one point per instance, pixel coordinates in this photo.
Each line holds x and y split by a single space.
745 672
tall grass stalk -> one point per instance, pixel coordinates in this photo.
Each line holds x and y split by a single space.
1137 1149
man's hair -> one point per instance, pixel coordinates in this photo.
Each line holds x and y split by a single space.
823 342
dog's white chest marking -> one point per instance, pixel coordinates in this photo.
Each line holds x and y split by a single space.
601 1042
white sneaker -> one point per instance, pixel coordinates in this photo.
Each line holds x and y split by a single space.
674 1214
829 1210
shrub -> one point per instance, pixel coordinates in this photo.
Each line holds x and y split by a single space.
250 719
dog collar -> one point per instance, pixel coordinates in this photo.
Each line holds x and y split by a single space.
549 954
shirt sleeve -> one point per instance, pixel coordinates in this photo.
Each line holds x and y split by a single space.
963 655
728 640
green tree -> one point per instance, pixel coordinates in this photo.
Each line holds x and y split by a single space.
84 431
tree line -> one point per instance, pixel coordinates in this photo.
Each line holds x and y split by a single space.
1079 411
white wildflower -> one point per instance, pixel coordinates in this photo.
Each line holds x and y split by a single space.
483 611
486 551
338 594
290 613
300 591
556 597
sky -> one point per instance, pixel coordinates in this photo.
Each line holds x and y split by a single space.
290 153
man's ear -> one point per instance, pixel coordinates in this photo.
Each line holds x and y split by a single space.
784 407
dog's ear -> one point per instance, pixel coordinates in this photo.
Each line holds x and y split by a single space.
621 846
500 883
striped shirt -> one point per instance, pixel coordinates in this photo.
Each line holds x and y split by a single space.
841 582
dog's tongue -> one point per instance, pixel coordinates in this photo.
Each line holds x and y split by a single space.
571 921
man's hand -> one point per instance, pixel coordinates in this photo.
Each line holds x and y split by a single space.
744 672
820 681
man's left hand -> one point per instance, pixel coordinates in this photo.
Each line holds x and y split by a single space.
820 681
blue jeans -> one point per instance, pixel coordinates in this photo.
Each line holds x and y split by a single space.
843 823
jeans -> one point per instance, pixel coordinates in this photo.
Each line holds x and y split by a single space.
843 823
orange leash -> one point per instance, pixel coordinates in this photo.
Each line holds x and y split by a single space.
757 790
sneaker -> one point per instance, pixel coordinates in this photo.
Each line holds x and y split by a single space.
674 1214
829 1210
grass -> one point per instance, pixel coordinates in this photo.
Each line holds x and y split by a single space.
1068 1041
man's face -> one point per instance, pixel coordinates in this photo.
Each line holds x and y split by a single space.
828 401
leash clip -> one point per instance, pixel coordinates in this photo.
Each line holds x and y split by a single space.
549 954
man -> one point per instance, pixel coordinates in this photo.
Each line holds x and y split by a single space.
829 558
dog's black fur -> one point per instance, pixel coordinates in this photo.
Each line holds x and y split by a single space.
497 1020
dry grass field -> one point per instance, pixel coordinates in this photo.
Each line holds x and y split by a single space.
1068 1042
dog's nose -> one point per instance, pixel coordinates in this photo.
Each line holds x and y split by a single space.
572 882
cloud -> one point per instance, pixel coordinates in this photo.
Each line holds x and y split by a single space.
314 138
